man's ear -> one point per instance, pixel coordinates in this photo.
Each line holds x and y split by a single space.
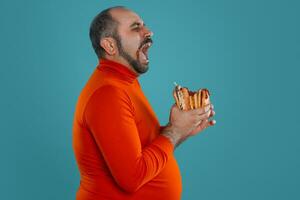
109 45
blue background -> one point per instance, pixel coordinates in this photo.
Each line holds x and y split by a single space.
246 52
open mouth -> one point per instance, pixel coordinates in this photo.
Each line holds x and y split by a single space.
143 53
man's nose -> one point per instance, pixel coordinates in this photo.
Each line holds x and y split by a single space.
148 32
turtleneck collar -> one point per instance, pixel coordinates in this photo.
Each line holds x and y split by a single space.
117 69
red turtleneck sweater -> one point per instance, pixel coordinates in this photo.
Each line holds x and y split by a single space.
117 143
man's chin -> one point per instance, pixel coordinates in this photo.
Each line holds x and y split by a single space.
141 67
138 64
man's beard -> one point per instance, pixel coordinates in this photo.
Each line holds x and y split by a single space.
135 63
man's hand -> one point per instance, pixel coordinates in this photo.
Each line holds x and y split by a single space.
183 124
204 123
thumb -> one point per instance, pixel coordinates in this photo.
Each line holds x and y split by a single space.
203 125
174 107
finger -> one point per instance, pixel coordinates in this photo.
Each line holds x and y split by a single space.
203 116
212 113
200 111
212 123
206 123
175 107
203 125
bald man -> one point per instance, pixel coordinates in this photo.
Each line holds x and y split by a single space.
121 149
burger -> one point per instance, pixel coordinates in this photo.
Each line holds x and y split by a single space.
187 100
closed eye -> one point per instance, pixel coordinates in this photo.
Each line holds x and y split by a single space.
136 26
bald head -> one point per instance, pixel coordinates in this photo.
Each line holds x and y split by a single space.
104 25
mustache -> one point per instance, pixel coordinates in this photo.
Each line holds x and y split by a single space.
147 40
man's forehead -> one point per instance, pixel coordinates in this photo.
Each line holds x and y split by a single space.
125 17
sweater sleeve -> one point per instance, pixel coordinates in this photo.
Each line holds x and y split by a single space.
109 116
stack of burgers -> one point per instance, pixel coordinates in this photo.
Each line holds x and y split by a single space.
187 100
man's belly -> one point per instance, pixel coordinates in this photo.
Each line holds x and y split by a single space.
166 185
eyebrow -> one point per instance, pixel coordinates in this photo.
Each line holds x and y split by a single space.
135 23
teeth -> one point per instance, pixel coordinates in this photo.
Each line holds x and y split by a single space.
146 45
